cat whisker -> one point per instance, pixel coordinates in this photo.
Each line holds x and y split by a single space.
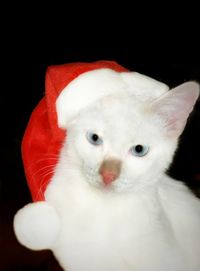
48 157
43 168
44 182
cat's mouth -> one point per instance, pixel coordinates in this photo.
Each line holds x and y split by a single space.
108 181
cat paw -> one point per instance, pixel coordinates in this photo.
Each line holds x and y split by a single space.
37 225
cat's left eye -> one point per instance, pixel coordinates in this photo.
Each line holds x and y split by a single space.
94 138
139 150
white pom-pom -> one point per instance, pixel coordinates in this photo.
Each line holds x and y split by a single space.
37 225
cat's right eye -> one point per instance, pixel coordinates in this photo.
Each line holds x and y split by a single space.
94 138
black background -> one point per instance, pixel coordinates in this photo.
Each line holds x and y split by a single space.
26 54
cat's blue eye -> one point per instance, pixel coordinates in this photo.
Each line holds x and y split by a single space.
94 138
139 150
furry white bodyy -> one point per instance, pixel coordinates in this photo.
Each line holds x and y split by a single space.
118 209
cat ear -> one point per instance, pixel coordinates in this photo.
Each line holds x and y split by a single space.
175 106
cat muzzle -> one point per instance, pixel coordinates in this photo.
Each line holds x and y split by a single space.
110 170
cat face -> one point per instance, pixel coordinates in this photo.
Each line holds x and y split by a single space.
120 143
122 133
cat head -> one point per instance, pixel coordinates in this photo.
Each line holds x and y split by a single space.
121 142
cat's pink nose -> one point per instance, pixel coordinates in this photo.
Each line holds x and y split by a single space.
108 177
110 170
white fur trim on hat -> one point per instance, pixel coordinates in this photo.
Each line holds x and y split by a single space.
37 225
91 86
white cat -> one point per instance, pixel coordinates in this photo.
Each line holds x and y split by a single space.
110 206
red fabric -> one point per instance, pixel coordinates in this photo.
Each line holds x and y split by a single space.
43 138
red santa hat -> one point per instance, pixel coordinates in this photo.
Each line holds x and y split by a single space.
69 89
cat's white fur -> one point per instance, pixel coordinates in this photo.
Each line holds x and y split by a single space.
144 220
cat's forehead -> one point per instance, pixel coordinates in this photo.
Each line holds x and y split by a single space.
115 110
120 119
128 104
119 102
